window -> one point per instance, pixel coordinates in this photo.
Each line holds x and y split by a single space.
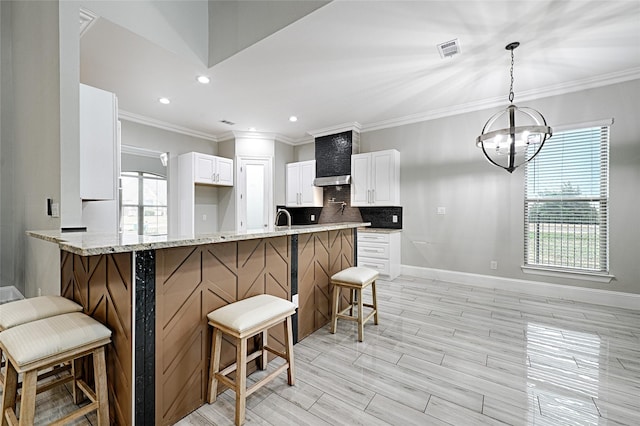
567 202
144 203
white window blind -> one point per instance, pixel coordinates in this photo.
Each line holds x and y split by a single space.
567 202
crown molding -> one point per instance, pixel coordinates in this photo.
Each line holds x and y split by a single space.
338 128
560 89
87 19
147 121
143 152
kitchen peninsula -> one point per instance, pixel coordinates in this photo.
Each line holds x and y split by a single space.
154 293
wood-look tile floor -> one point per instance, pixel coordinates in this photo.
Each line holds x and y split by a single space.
448 354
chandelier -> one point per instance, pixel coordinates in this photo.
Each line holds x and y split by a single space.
515 135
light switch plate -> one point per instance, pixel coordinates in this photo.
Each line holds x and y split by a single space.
313 218
394 218
442 210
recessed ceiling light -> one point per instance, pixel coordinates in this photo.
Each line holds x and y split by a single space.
164 101
203 79
293 119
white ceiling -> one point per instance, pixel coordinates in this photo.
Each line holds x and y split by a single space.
374 63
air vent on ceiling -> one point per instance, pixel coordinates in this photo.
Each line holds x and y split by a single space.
449 48
230 123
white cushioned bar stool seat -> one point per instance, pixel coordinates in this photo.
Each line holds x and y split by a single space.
355 278
243 320
23 311
45 343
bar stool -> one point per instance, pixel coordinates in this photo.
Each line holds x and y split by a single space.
45 343
243 320
23 311
355 278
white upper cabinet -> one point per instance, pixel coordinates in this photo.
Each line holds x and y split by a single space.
375 179
99 153
208 169
300 189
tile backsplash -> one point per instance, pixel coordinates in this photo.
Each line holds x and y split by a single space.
380 217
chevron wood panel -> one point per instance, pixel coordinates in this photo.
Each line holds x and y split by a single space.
320 255
102 285
190 283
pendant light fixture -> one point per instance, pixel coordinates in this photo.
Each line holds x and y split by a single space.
515 135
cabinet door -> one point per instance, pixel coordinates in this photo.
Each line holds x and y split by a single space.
310 196
98 144
204 167
383 179
293 184
224 171
360 170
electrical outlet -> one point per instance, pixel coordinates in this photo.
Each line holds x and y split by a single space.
394 218
294 300
39 291
442 210
494 264
313 218
55 210
204 217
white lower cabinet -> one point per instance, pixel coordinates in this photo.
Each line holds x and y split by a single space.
380 250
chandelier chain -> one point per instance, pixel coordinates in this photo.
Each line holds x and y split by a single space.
511 88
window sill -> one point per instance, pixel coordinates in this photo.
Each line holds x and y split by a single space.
576 275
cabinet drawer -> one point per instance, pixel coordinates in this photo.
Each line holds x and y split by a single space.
377 250
382 266
373 237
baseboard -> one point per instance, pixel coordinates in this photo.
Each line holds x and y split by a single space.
9 294
537 288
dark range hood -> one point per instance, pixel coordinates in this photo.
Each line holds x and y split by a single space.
333 158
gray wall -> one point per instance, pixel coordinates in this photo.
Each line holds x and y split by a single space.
440 166
30 140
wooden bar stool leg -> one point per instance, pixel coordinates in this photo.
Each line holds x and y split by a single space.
28 398
336 303
288 340
102 393
241 380
351 299
265 359
10 389
375 303
360 316
214 365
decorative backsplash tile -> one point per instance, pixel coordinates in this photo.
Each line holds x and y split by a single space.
382 217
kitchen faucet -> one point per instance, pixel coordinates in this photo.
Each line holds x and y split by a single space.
286 213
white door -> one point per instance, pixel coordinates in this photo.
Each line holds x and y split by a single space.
360 170
204 166
382 178
293 185
254 194
224 171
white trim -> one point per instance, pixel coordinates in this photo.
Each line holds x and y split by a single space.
338 128
560 89
143 152
537 288
87 19
584 125
9 294
147 121
576 275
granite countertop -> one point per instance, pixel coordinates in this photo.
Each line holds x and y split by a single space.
380 230
89 243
